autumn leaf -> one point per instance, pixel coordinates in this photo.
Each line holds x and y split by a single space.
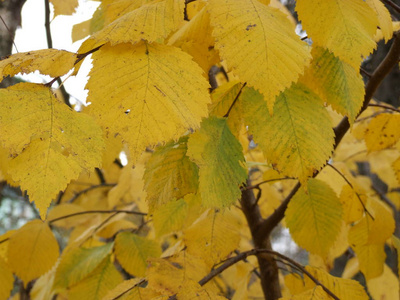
51 62
170 174
165 82
298 138
50 144
132 251
263 56
32 250
221 163
382 132
314 217
346 27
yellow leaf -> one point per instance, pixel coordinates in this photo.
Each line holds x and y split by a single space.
6 280
384 18
337 82
352 207
344 289
195 38
263 56
51 62
213 236
382 132
169 174
132 252
80 30
98 283
298 138
346 27
150 22
385 286
314 217
77 263
129 188
371 258
50 143
147 93
219 156
32 250
128 289
170 217
295 283
5 239
64 7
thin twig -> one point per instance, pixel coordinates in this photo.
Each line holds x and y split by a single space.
116 211
352 187
385 107
365 72
9 31
244 255
131 288
63 91
92 187
256 186
234 101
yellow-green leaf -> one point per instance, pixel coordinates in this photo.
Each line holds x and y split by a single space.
371 259
298 138
337 82
98 283
317 293
32 250
170 217
146 93
6 280
382 132
213 236
132 252
50 144
314 217
221 162
151 22
169 174
78 263
346 27
260 43
51 62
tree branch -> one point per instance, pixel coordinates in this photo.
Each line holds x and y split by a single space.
234 101
114 211
78 194
341 129
392 5
385 107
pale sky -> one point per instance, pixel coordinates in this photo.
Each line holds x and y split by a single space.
32 36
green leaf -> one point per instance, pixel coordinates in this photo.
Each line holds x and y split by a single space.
314 217
170 217
298 138
220 159
78 263
132 252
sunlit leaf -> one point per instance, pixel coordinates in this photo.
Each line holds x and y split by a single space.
6 280
382 132
148 92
